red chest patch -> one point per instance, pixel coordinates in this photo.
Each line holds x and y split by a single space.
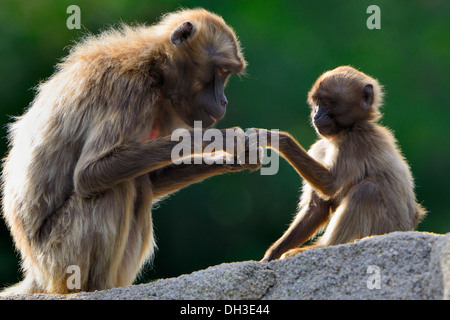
154 133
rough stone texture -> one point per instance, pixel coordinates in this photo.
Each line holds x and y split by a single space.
341 272
412 265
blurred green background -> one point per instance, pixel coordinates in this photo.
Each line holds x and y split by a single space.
288 44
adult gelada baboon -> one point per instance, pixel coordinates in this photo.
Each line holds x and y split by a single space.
93 151
356 181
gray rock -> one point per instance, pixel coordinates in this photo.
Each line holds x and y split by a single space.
399 265
403 262
242 280
442 254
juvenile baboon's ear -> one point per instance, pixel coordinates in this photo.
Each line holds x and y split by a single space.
182 33
368 96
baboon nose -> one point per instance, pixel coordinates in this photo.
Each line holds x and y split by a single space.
223 101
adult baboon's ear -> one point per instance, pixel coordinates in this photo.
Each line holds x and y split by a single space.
368 96
182 33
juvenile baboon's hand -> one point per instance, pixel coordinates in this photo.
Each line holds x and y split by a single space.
246 160
253 153
265 138
245 152
270 255
251 158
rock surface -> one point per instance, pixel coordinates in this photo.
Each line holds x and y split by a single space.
399 265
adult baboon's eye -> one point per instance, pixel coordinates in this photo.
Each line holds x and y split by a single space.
223 71
325 103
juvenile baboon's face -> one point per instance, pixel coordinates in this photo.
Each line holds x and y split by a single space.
341 98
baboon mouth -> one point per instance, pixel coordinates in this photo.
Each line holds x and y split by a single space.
213 118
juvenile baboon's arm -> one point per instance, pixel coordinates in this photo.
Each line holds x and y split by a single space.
315 173
313 216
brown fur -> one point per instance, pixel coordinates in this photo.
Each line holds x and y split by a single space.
357 183
81 174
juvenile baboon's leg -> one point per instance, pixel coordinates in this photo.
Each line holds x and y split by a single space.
358 216
307 222
296 251
362 213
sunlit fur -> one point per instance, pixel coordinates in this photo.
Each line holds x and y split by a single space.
343 82
80 177
356 181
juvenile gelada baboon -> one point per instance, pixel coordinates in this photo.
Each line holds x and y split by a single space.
355 179
93 151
